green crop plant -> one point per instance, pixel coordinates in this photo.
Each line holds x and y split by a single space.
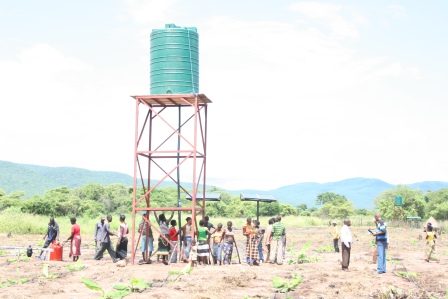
3 285
2 253
18 259
105 295
287 285
76 266
46 274
322 249
301 257
414 242
19 279
135 285
407 274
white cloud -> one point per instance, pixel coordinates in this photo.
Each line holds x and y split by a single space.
152 12
397 11
341 20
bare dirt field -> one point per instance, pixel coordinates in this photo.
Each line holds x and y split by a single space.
321 279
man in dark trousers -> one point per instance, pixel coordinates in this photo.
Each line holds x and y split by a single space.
97 235
346 244
106 244
51 235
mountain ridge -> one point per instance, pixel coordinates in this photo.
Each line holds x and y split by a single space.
36 179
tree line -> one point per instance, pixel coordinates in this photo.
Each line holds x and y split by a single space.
92 200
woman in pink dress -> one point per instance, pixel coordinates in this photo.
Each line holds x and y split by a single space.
75 237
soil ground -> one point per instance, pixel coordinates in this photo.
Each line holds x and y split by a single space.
321 279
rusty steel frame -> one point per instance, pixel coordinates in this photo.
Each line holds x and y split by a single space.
156 105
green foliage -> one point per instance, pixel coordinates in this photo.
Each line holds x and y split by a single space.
334 205
3 285
287 209
46 274
327 197
413 202
76 266
105 295
437 204
19 279
301 257
286 285
134 285
408 274
414 242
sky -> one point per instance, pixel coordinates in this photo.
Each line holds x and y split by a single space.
302 91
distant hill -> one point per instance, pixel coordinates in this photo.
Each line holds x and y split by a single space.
34 179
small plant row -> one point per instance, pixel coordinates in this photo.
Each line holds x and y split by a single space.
119 291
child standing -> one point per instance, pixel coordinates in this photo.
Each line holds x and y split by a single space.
260 235
173 233
193 256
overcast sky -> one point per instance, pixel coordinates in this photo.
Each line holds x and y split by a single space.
302 91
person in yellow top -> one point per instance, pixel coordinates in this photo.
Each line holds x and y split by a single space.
336 237
217 244
430 243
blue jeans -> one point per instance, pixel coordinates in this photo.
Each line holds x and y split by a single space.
381 256
260 250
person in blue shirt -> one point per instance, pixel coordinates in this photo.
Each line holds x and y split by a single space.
381 243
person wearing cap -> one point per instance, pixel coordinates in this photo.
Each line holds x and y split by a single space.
335 237
186 237
146 230
97 235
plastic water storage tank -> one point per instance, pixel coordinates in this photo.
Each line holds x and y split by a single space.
398 201
174 60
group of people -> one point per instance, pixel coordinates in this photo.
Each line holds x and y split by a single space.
102 237
103 240
345 236
53 235
274 238
381 241
210 244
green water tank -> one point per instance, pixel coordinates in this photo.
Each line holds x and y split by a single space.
398 200
174 60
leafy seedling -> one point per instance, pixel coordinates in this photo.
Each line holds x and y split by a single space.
2 253
76 266
286 285
105 295
135 285
18 259
19 279
3 285
414 242
407 274
46 274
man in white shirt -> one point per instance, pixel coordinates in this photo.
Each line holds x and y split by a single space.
346 241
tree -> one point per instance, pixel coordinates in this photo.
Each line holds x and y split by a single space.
328 197
413 202
337 209
437 204
287 209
